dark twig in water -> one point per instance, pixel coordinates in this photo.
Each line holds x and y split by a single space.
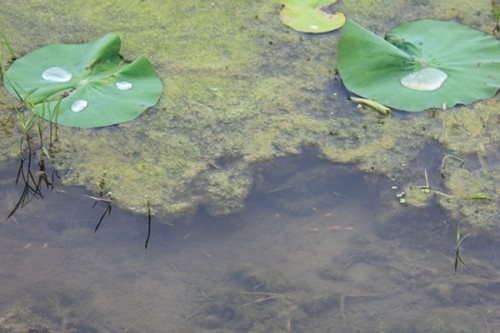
32 185
108 211
149 224
105 200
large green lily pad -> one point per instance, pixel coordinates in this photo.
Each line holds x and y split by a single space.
420 65
311 15
95 86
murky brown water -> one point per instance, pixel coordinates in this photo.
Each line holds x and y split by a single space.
319 249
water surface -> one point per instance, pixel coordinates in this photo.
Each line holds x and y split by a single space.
320 248
307 245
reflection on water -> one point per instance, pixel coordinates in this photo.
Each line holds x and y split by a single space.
320 248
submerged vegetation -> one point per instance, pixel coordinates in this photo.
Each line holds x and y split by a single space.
458 243
34 143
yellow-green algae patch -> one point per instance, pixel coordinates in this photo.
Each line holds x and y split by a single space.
469 166
240 89
9 129
381 15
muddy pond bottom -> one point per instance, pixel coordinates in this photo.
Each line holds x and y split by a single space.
320 248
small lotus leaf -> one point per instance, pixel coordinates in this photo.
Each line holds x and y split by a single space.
95 86
311 15
420 65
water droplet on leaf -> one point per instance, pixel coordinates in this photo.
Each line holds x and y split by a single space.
79 105
123 85
56 74
314 27
426 79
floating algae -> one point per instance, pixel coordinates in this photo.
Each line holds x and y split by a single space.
237 101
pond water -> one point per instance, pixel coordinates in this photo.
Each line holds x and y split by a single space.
319 248
255 125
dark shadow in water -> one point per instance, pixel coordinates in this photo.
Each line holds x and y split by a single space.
304 184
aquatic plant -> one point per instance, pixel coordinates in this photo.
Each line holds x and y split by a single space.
496 16
33 175
458 242
28 117
312 16
415 68
92 83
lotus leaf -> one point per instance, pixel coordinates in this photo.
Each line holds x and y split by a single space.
95 87
420 65
311 15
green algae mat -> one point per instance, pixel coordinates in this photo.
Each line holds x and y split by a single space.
243 90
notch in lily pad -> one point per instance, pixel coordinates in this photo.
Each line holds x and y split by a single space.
95 86
313 16
420 65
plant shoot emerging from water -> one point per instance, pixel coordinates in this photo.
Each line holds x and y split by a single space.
458 242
